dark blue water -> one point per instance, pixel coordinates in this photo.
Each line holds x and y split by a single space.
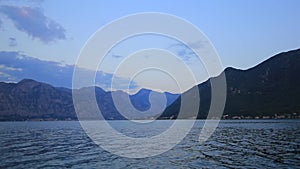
235 144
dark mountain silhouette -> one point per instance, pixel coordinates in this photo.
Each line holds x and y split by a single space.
141 99
272 87
32 100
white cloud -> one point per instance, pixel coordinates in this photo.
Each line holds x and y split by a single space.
3 67
33 22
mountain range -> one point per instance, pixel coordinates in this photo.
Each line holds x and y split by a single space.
269 89
32 100
272 88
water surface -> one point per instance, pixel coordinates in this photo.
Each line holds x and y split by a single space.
235 144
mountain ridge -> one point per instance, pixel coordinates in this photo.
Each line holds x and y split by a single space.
33 100
267 89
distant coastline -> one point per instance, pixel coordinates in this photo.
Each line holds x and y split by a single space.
224 117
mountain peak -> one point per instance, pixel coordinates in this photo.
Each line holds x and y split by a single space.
269 89
27 81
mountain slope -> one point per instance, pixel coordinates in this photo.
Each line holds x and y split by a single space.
272 87
29 99
32 100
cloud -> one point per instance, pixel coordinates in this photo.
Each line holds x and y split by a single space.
0 23
36 1
17 66
115 82
116 56
182 50
12 42
196 45
3 67
33 22
186 51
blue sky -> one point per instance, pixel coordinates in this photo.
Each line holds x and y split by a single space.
244 33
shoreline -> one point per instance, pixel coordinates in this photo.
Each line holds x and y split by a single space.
245 119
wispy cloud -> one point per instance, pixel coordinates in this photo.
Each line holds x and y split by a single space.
12 42
186 51
182 51
197 45
17 66
110 82
33 22
3 67
8 78
116 56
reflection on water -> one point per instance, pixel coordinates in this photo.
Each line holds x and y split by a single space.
235 144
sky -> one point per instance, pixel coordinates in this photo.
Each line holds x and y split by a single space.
243 33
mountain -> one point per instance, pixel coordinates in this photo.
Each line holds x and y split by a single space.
141 99
268 89
32 100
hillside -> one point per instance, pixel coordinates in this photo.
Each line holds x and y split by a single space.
32 100
272 87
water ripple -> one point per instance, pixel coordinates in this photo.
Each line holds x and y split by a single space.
235 144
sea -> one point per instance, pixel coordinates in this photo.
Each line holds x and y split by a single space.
234 144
